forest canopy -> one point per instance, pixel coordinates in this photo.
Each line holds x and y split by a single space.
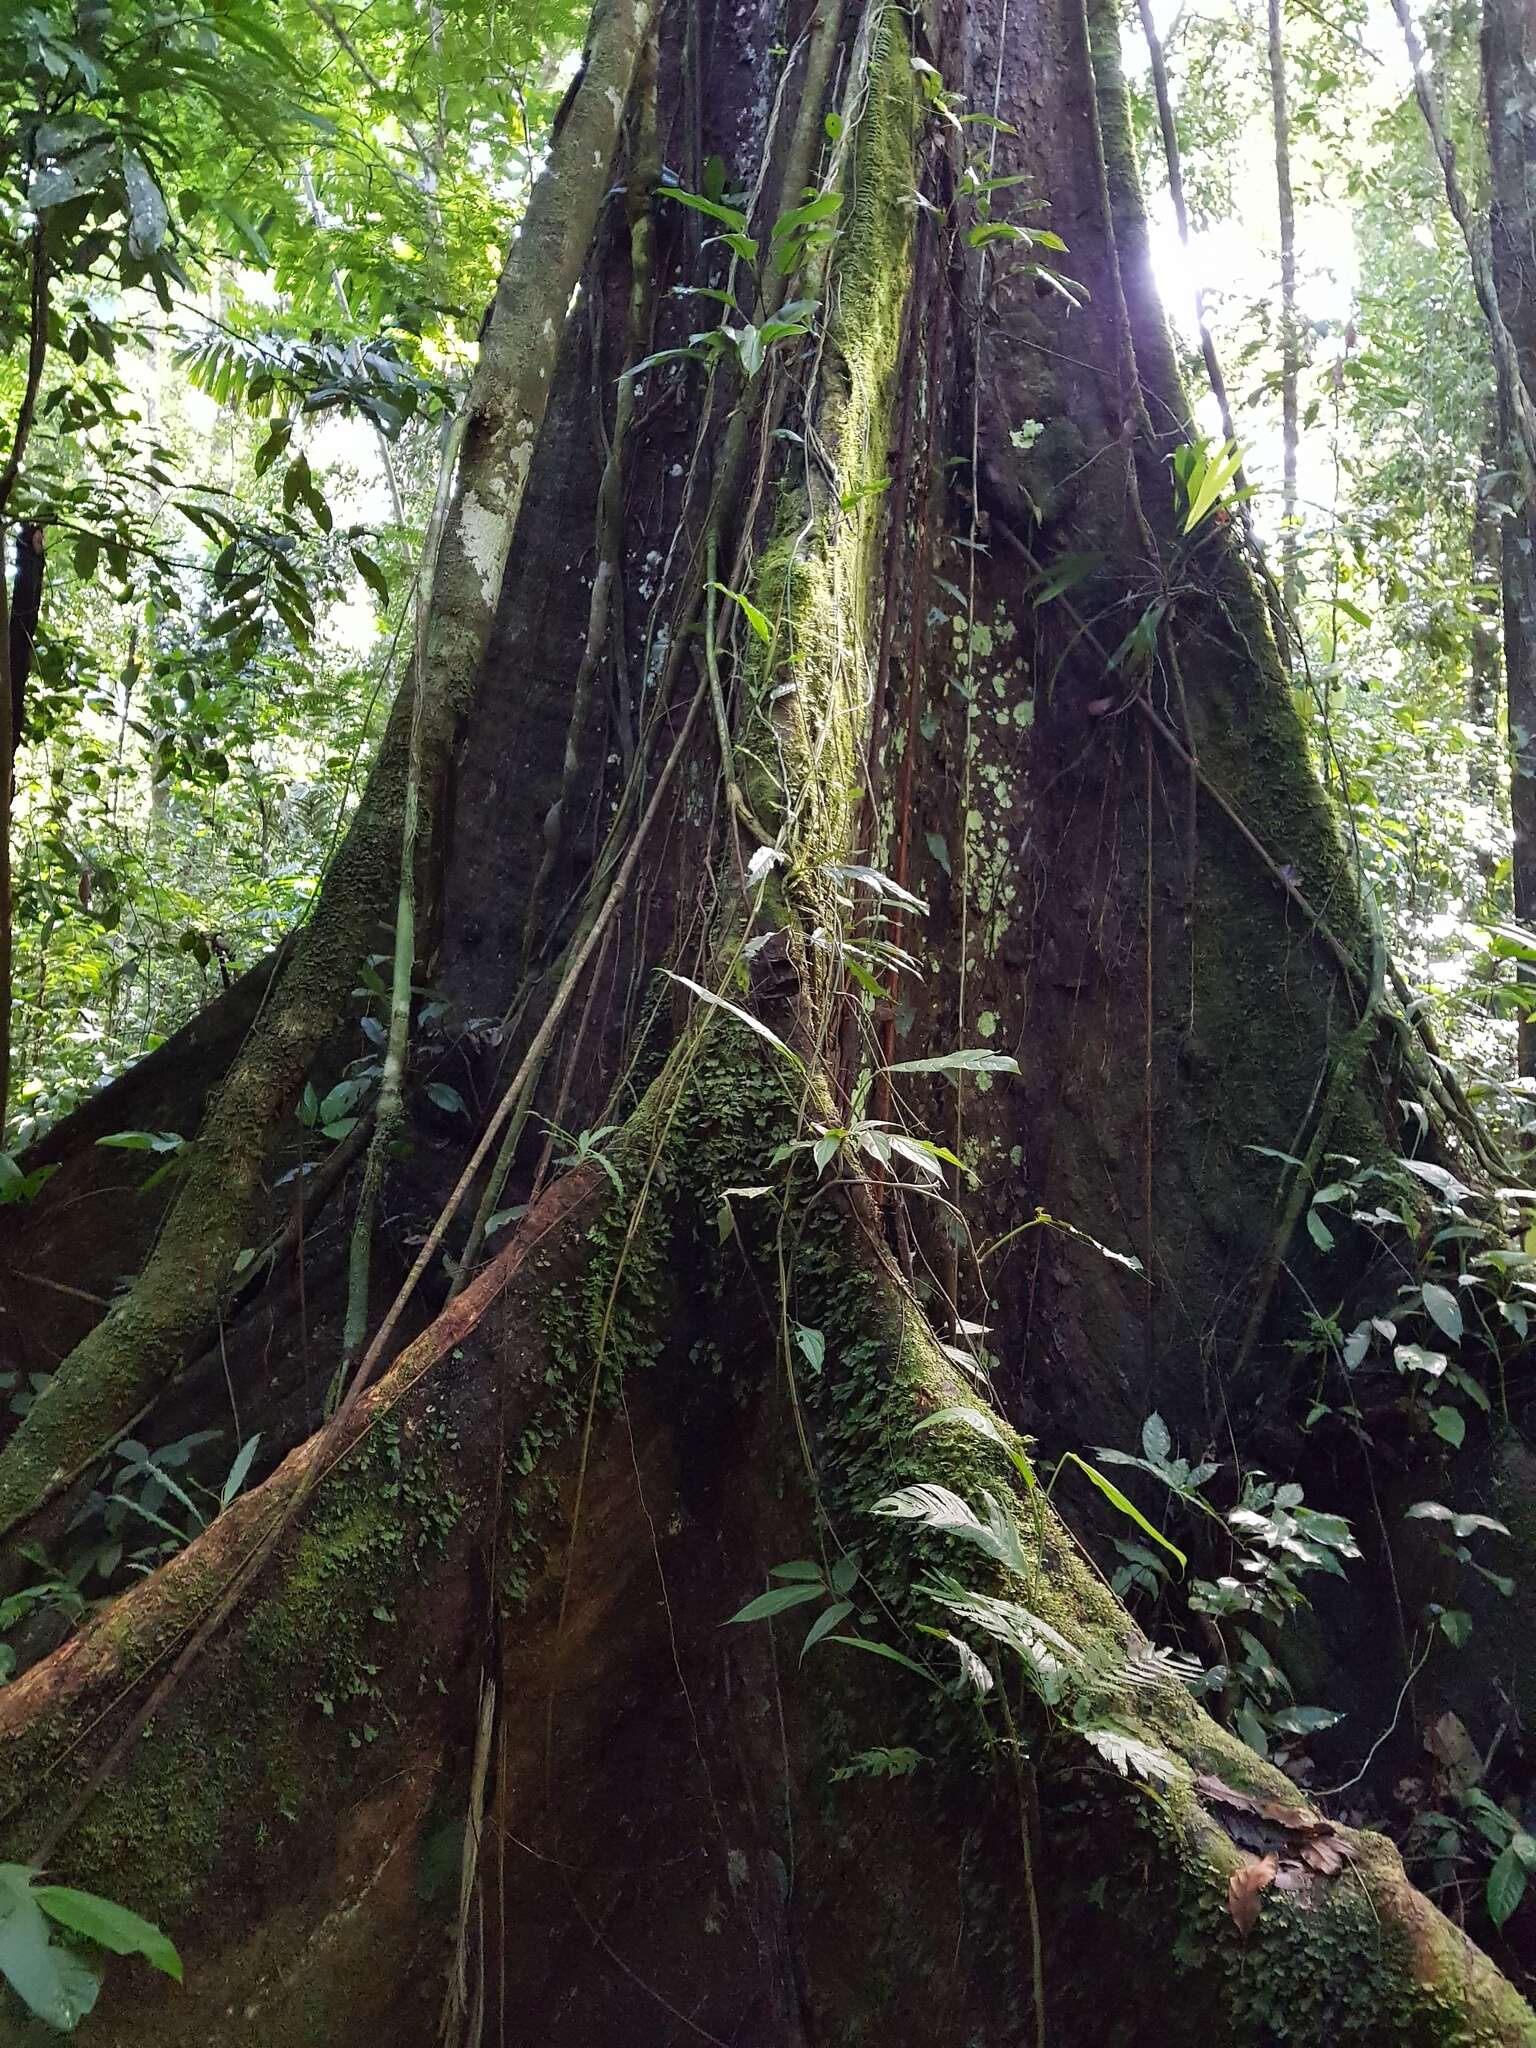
767 890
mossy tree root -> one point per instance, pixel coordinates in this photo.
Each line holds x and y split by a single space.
291 1813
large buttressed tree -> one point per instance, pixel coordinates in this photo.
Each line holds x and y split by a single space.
875 661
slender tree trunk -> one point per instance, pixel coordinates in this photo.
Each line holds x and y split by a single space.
1495 253
437 1734
1509 84
1290 344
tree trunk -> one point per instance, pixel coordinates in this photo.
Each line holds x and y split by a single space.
1290 345
437 1734
1509 85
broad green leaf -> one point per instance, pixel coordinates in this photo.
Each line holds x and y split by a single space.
1156 1440
1506 1885
52 1982
1461 1525
125 1933
1456 1627
974 1060
813 1346
1304 1720
1450 1424
729 216
1415 1358
1444 1309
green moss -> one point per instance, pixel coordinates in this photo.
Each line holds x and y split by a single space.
816 577
273 1718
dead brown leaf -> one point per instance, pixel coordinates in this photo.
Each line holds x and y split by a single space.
1225 1794
1325 1857
1454 1750
1244 1887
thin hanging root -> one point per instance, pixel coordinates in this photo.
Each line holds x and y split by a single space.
390 1110
605 613
519 1123
457 2005
497 1181
740 808
542 1039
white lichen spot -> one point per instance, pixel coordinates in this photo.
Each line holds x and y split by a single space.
482 528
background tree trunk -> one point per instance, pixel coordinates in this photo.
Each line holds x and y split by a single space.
483 1605
1509 85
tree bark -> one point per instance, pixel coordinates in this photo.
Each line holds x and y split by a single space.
447 1701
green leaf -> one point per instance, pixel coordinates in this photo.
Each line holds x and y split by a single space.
1128 1508
1444 1309
1415 1358
1063 575
1450 1424
1216 470
813 1346
777 1599
749 346
1304 1720
1461 1525
757 620
1456 1627
824 1624
808 215
447 1098
973 1060
728 216
237 1472
125 1933
148 215
143 1141
719 1002
891 1656
1506 1885
56 1985
371 574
